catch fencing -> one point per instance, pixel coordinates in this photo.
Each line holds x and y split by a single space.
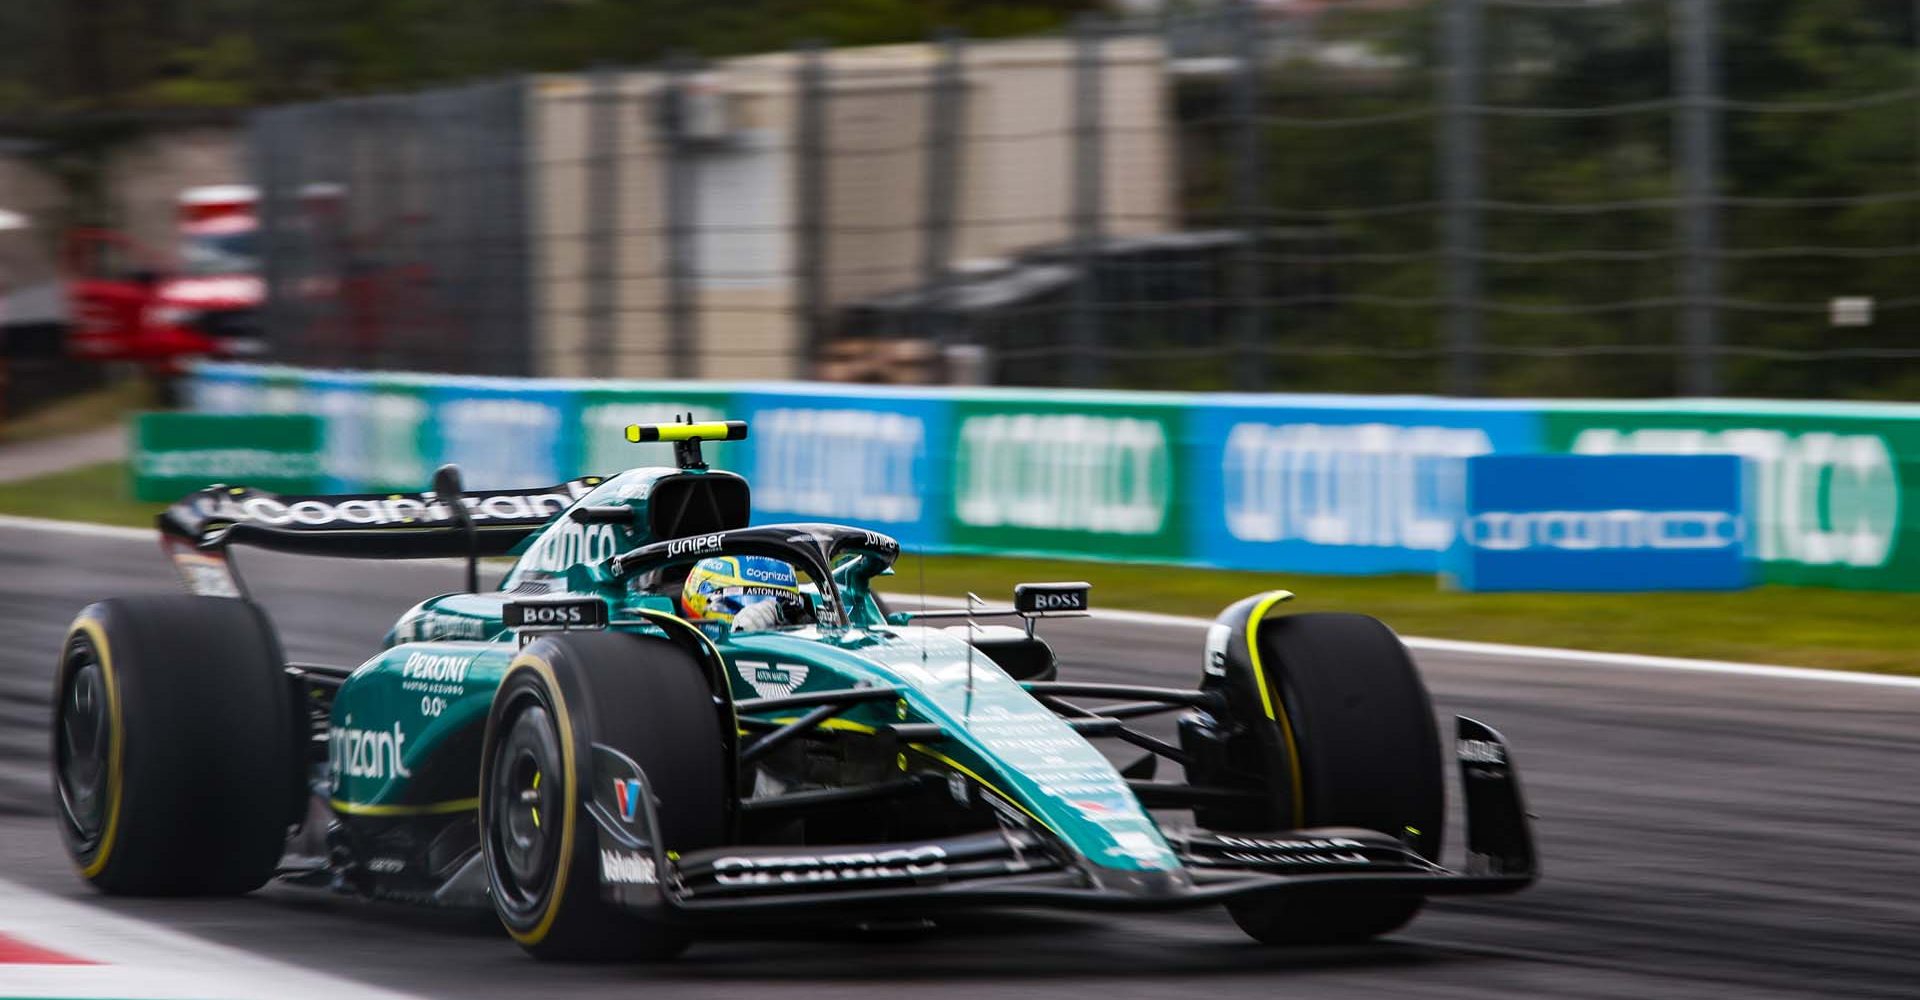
1477 197
1295 483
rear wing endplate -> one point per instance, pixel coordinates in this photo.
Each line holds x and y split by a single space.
197 530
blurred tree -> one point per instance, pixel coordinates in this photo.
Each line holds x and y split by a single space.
1821 108
1820 103
63 55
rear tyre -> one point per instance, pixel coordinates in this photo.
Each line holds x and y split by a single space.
1358 731
647 698
175 753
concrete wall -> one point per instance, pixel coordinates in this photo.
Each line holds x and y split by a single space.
145 177
559 153
1017 174
1015 191
27 256
142 181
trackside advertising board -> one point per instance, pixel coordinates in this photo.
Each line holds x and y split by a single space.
1346 486
879 461
1836 486
177 453
1092 478
600 443
1285 483
1602 522
378 431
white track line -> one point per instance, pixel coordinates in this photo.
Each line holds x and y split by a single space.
144 960
1504 651
1640 661
1490 650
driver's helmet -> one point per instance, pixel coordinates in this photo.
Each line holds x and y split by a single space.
723 587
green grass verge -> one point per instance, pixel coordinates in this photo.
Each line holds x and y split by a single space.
1803 626
98 493
1845 629
86 412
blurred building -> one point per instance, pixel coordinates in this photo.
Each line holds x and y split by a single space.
561 226
1013 186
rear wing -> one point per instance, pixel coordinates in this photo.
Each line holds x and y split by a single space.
197 530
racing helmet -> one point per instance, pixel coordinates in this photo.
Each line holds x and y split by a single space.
723 586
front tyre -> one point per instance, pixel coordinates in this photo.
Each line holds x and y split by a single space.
175 750
1331 707
644 697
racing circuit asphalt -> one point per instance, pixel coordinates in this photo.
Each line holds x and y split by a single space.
1702 834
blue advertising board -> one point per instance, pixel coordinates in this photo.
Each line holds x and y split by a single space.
1602 523
864 458
505 436
1337 489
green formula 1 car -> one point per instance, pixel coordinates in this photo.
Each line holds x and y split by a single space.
611 777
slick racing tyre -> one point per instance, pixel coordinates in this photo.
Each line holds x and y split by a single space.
176 767
650 700
1350 742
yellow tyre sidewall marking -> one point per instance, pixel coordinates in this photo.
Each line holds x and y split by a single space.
569 796
426 809
720 662
97 636
1268 702
921 748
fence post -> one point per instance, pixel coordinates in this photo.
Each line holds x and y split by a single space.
515 253
944 96
1459 139
1696 137
327 322
1247 290
810 194
681 305
455 260
602 191
265 164
1084 368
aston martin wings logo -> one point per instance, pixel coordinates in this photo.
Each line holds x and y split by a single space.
771 680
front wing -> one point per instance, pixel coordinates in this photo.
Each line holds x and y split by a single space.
1017 867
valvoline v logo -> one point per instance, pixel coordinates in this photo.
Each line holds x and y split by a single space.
626 793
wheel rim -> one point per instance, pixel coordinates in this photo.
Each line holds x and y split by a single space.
83 745
525 824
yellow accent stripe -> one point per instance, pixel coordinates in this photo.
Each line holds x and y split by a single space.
845 725
921 748
691 627
1267 700
714 430
1253 623
995 789
570 797
719 661
424 809
115 769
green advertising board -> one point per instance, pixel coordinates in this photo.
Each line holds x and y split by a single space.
177 453
1083 478
1835 494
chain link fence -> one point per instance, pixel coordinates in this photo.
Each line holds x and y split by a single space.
1543 197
